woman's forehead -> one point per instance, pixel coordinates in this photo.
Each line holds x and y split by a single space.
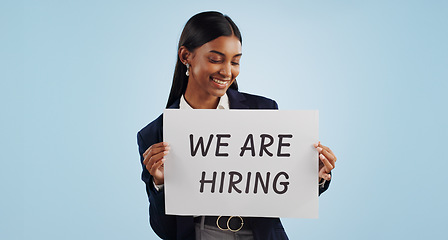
227 45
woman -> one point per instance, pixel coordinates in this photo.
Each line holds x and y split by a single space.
209 53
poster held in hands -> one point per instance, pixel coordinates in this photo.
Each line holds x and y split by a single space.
241 162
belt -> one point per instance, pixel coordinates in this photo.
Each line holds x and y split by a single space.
232 223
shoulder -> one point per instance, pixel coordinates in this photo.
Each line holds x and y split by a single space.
246 100
151 133
259 100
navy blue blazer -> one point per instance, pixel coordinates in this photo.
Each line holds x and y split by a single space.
183 227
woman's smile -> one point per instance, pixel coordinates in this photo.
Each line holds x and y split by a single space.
221 83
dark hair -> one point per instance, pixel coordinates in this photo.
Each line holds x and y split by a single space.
199 30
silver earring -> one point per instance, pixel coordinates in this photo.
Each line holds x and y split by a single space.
188 69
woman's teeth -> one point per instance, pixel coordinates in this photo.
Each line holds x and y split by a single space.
219 81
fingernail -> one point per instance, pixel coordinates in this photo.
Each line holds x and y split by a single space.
165 152
322 156
319 149
165 144
315 145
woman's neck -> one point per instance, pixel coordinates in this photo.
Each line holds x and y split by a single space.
197 101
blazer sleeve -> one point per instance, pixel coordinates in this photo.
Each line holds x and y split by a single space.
325 186
163 225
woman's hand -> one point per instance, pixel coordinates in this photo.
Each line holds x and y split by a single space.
327 161
154 157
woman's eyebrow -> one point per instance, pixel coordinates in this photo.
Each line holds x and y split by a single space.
222 54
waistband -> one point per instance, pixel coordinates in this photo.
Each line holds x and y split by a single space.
225 223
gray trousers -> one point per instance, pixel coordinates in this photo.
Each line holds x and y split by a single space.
206 232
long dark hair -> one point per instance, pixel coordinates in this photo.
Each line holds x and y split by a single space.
199 30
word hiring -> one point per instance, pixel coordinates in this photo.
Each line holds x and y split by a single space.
237 184
266 141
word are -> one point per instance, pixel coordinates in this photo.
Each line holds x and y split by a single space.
266 141
233 181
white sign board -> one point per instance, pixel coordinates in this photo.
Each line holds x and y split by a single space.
241 162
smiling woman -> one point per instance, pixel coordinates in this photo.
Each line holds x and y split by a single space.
213 68
209 53
199 31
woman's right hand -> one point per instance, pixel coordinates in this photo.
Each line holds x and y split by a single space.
154 157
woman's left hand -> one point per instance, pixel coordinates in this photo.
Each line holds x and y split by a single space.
327 161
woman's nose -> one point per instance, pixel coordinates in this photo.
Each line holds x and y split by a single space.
226 70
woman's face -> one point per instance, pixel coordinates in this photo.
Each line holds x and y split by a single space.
213 67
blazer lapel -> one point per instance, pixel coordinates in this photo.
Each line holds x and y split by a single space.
236 99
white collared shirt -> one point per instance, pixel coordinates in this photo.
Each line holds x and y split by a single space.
223 103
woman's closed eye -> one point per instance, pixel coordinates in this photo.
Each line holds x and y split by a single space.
215 60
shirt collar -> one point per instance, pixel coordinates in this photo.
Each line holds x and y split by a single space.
223 103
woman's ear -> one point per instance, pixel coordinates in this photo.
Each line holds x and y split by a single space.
184 55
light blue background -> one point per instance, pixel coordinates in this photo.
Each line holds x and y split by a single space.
80 78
